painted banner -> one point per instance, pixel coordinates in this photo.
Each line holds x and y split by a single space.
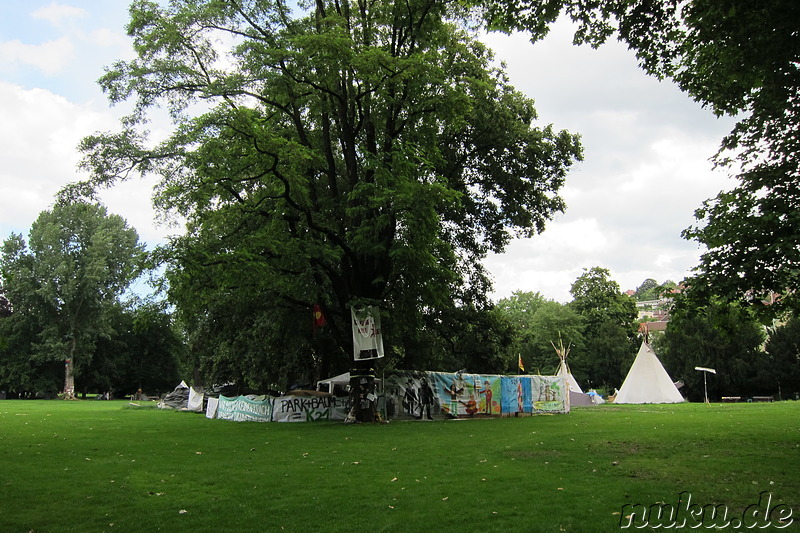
416 395
243 409
430 395
367 336
308 408
549 394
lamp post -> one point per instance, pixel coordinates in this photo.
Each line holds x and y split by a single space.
705 372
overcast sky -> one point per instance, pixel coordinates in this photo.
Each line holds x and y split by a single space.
646 165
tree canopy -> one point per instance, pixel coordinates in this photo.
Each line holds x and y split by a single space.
719 335
64 282
610 326
539 324
333 153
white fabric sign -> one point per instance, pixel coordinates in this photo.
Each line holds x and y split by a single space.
367 337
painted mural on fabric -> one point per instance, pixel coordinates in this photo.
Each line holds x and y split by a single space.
429 395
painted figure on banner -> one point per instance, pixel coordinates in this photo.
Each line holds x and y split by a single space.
410 398
486 398
425 400
453 391
470 406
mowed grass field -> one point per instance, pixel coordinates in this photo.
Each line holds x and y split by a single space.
89 466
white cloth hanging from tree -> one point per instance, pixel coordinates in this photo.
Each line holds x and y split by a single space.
367 337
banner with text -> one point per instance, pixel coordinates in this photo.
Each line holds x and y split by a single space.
243 409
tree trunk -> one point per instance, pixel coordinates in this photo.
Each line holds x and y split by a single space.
69 379
363 394
69 371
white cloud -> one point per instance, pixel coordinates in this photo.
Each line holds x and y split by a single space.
50 57
56 13
108 38
646 168
39 134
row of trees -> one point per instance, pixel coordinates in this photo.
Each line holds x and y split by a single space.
347 153
601 326
67 324
63 324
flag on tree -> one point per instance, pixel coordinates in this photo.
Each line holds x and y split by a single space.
319 317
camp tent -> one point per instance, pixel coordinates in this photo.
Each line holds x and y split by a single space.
647 381
327 385
342 380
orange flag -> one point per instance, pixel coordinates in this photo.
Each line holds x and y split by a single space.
319 317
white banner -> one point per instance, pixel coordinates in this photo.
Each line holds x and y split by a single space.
242 409
367 337
195 400
308 409
211 408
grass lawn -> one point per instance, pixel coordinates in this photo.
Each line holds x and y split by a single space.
90 466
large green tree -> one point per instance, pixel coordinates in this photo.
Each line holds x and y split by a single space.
539 324
719 335
739 58
332 152
781 370
610 326
66 279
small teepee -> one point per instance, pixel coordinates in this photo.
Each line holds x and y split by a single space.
576 395
563 369
647 381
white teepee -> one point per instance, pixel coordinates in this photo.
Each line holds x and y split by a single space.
563 369
647 381
576 395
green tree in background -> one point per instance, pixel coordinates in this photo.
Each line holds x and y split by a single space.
333 153
719 335
609 327
67 281
538 322
781 371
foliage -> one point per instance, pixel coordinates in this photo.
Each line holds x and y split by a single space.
330 153
719 335
538 324
80 260
5 306
782 368
478 340
21 372
610 327
650 289
739 58
144 352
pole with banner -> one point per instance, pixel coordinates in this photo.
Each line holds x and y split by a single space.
367 347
